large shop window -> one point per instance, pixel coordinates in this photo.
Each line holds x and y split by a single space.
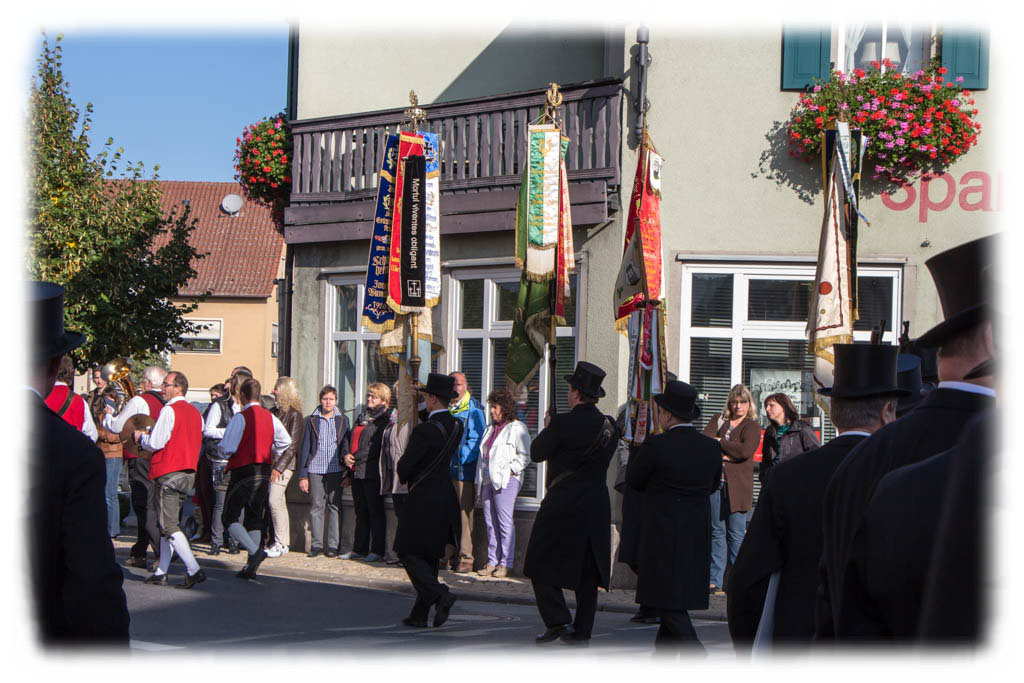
483 305
746 323
354 361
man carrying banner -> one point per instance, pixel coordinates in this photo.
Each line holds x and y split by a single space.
570 544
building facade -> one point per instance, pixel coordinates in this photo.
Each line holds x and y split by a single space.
741 218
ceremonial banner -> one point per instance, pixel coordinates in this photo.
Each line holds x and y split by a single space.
849 145
432 226
403 294
566 258
531 331
538 209
831 316
641 275
377 315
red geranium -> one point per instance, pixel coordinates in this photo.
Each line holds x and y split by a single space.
261 164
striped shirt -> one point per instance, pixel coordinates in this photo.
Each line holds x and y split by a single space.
326 459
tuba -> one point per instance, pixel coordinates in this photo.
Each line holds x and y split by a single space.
119 371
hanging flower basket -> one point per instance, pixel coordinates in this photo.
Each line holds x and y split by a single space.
916 124
263 163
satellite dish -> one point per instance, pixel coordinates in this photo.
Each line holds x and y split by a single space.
231 204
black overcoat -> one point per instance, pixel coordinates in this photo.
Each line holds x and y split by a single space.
75 578
784 535
891 553
934 426
675 472
430 517
576 512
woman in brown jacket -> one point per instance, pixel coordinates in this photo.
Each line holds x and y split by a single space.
738 432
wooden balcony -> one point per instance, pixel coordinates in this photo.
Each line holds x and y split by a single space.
482 151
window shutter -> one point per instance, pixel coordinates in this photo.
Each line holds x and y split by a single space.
805 56
965 53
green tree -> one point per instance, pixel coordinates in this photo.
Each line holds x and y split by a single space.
100 231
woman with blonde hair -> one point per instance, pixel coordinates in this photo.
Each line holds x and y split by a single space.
738 433
364 462
289 411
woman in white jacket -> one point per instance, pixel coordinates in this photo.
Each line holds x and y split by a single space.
504 454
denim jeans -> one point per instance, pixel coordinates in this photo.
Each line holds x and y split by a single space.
113 504
729 530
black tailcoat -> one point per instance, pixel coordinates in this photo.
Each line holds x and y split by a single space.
953 605
76 580
785 536
675 472
576 511
934 426
430 518
891 553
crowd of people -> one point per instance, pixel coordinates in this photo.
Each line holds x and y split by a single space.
854 541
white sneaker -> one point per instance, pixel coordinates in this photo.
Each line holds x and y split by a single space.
282 548
273 551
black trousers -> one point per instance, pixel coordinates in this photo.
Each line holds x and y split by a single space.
138 479
204 489
248 491
422 573
553 609
676 633
398 500
370 519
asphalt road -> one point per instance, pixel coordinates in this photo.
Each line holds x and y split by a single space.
282 615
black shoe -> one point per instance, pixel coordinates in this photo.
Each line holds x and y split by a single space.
554 633
444 606
331 553
576 640
314 552
192 579
233 549
157 580
214 550
645 618
252 565
136 562
417 623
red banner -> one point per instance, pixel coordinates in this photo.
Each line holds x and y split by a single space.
409 145
644 222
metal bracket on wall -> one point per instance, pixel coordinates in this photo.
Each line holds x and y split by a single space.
643 60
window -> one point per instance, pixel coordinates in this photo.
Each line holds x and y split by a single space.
274 339
906 45
483 305
205 339
747 324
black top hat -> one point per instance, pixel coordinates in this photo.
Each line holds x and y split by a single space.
962 286
908 376
680 399
50 340
863 371
440 385
587 378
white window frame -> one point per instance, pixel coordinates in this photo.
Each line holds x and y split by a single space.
502 329
760 329
933 30
203 321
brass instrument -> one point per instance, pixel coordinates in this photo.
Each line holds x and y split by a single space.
119 370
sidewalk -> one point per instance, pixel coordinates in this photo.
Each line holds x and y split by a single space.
381 576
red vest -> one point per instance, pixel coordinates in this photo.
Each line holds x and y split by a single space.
155 405
257 439
75 414
182 450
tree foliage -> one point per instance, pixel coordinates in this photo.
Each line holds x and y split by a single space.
96 227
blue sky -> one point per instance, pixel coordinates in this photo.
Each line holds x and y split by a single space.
177 100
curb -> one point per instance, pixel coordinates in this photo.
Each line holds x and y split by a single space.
403 587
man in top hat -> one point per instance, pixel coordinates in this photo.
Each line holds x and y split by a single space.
249 439
909 377
175 441
783 543
570 544
675 472
76 582
892 554
430 518
965 340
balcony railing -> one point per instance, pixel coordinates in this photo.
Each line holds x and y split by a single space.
482 143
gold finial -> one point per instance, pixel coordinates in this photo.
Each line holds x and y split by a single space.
554 97
414 115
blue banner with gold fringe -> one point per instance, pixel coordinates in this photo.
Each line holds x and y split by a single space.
377 315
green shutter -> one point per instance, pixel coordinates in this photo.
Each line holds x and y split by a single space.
805 56
965 53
